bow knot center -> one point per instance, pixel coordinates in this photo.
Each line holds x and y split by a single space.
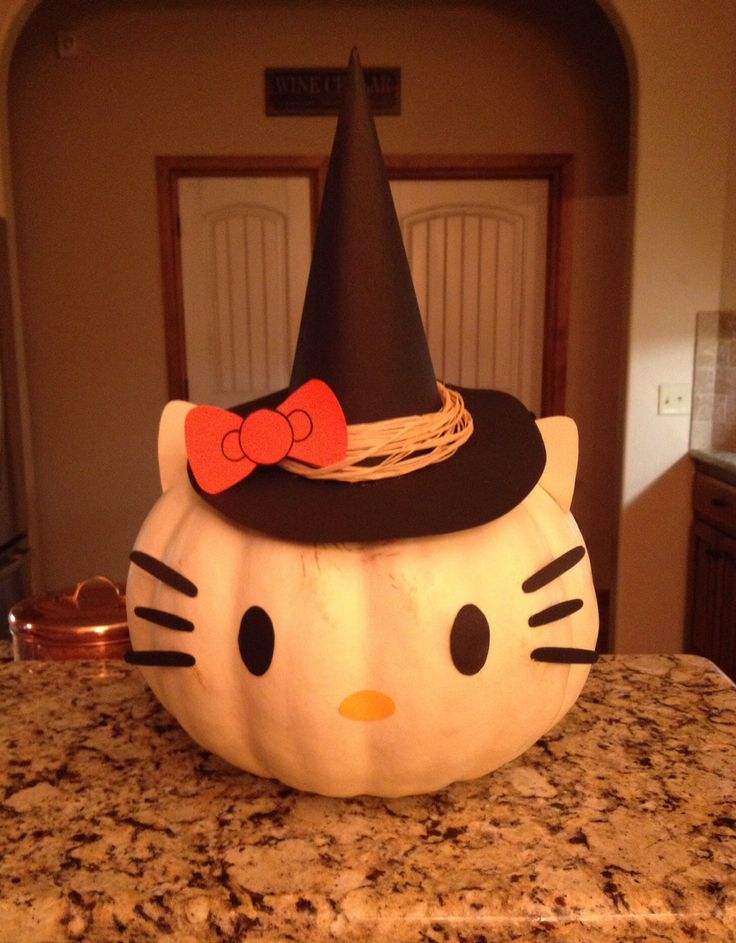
266 437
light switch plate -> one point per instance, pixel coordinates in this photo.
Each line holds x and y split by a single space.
674 399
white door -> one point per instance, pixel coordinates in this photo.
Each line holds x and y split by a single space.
245 252
477 251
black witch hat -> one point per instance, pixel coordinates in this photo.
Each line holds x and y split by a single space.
361 333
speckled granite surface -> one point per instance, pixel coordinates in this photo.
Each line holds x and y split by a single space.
618 826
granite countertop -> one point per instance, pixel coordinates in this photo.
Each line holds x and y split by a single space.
619 825
723 464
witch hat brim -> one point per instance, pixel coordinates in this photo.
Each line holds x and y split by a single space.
487 477
361 333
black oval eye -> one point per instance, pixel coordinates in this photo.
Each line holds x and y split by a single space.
256 640
470 639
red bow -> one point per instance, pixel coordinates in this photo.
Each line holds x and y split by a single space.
223 448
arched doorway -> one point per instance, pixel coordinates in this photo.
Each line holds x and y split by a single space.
547 80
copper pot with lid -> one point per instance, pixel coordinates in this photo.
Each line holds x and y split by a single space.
87 621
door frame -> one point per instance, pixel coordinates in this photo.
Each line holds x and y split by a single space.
556 169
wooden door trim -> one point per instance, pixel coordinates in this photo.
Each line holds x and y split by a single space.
557 170
169 170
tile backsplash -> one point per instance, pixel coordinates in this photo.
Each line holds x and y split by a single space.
713 423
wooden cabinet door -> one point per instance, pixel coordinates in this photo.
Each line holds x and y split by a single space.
705 589
726 649
713 601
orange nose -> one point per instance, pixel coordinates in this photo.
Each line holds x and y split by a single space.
367 705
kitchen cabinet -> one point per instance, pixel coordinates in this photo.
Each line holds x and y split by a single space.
712 591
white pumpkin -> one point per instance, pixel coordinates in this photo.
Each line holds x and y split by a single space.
385 668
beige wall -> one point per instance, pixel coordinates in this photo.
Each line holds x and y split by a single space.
189 79
728 280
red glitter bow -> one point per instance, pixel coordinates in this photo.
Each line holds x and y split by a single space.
223 448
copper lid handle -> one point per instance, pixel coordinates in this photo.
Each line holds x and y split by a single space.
99 590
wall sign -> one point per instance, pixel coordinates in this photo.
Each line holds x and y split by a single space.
317 91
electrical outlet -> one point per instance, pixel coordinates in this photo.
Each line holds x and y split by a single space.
674 399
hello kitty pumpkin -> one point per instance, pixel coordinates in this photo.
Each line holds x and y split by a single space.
369 582
387 668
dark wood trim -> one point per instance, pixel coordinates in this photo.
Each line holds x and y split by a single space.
168 172
166 192
557 170
605 640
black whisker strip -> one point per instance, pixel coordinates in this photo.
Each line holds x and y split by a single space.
556 612
161 659
553 570
557 655
166 619
162 572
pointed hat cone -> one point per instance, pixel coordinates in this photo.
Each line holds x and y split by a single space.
362 334
361 331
